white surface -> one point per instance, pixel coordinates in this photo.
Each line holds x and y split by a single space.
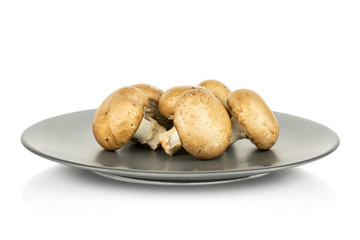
62 56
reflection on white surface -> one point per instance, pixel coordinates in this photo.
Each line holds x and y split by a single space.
61 187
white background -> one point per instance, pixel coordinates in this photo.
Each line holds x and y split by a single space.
302 57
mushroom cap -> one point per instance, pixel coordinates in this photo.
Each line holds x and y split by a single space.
254 115
169 98
203 125
152 92
219 89
118 117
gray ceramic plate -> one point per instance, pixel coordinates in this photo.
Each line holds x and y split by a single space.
68 139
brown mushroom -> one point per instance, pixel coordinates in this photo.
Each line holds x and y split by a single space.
219 89
120 117
252 119
170 140
168 99
202 125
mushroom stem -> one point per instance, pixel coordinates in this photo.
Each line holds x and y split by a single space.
237 131
170 141
148 132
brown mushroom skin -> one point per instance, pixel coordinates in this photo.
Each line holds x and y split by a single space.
168 99
112 127
219 89
151 92
256 118
202 123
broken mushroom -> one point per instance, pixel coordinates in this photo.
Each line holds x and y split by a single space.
252 119
202 125
120 118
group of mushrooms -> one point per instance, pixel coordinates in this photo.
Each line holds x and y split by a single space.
203 119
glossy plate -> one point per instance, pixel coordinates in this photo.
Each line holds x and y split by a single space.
68 139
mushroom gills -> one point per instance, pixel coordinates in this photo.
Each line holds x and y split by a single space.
152 111
170 141
237 130
148 132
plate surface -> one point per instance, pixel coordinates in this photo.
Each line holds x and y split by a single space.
68 139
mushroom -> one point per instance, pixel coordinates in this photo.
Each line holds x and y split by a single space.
252 119
168 99
202 125
170 140
120 118
152 110
219 89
